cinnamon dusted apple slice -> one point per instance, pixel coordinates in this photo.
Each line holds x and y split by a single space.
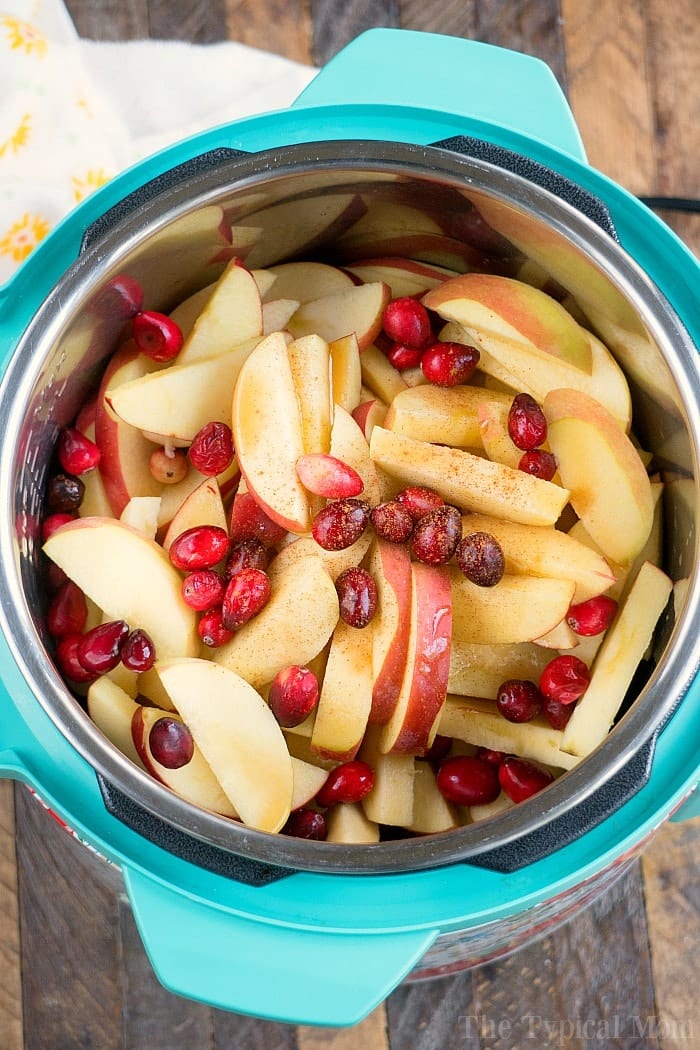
468 481
448 415
379 375
346 694
492 417
346 372
309 361
357 309
230 314
517 609
268 434
238 736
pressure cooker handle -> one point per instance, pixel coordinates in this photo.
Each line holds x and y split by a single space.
451 75
277 972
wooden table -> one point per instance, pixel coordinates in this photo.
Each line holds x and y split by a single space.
73 973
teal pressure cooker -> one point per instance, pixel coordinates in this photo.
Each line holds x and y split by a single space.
484 140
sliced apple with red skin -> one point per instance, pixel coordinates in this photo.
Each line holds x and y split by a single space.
230 315
174 496
291 629
412 724
194 781
608 483
404 276
238 736
307 280
112 710
347 823
398 229
203 506
248 519
390 566
346 694
124 451
368 415
357 309
268 434
129 577
346 372
517 609
448 415
468 481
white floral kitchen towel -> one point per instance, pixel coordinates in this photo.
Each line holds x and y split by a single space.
73 113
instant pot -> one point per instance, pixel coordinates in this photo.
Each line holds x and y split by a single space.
481 142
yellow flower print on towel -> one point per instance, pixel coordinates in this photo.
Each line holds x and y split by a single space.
22 36
19 137
24 235
85 184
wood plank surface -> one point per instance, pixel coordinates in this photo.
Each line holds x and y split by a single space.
73 972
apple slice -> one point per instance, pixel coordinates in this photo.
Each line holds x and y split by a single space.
346 694
194 781
300 227
349 445
347 823
141 512
346 372
411 726
268 434
396 229
112 711
596 459
308 280
431 812
186 313
492 418
292 628
368 415
390 566
357 309
173 496
468 481
391 799
238 736
479 669
517 609
624 645
230 315
380 375
277 313
129 577
445 415
151 689
203 506
308 780
309 361
404 276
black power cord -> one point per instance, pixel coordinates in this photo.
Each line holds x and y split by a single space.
687 204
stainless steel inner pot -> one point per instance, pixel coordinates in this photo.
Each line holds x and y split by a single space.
304 201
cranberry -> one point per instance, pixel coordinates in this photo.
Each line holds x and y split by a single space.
357 595
592 616
490 755
203 589
403 357
468 781
565 678
519 700
438 750
436 535
419 501
211 451
520 779
349 782
138 652
76 453
211 629
168 466
449 364
480 557
407 321
55 576
328 476
392 521
540 463
121 297
527 425
306 824
67 660
171 743
246 554
157 335
341 523
556 713
67 611
54 522
200 547
64 493
246 594
100 648
293 695
250 520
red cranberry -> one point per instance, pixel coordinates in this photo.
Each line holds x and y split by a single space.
468 781
157 335
436 535
67 660
122 297
200 547
540 463
519 700
138 652
306 824
171 743
349 782
246 594
357 595
67 611
247 554
341 523
527 425
438 750
556 713
211 629
520 779
449 364
565 678
480 557
407 321
168 466
293 695
403 357
392 521
490 755
419 501
76 453
211 451
203 589
592 616
64 493
249 520
54 522
100 648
